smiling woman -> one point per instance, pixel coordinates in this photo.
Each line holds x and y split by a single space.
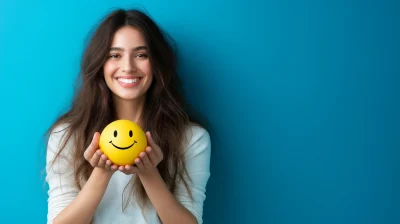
128 72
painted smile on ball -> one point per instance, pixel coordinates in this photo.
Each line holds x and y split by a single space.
123 148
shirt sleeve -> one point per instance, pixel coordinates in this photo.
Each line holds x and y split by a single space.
59 175
197 157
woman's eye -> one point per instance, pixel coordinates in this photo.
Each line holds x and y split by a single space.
141 55
114 56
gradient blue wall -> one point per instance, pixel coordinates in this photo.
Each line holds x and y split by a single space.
303 98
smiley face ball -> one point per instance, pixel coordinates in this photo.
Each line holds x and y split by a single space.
122 141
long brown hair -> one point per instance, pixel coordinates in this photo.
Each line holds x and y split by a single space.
164 112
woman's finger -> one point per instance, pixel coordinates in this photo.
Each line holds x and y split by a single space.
146 161
150 140
114 167
108 164
91 149
139 164
94 161
154 146
152 156
102 161
131 169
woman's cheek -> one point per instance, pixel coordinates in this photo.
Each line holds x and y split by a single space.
110 68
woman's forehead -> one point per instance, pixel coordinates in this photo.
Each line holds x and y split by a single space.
128 38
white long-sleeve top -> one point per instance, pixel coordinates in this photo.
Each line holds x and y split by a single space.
62 190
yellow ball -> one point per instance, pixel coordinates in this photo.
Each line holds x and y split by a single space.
122 141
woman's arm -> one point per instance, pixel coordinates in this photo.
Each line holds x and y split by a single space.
83 207
168 208
66 204
179 208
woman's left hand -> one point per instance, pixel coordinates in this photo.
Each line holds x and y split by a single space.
147 161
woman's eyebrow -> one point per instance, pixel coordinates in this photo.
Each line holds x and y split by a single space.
122 49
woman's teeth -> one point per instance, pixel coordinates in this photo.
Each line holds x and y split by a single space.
128 81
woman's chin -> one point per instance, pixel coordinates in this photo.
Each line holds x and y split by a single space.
127 97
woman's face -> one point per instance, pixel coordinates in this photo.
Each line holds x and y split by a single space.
127 71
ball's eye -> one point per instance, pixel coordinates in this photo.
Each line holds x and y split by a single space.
115 133
130 133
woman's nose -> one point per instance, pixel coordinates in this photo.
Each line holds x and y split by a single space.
128 65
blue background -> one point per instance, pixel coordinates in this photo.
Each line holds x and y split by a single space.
302 98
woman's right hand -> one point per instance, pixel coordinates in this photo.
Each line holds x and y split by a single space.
96 157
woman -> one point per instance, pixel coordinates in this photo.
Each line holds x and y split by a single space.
128 72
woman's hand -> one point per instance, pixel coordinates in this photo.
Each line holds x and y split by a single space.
96 157
147 161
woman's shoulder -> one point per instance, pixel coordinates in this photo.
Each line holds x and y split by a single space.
60 149
59 132
60 129
58 137
197 138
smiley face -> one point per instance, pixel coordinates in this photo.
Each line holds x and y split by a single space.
122 141
123 148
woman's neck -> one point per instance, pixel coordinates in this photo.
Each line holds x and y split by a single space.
129 109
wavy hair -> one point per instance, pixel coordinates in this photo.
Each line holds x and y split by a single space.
164 111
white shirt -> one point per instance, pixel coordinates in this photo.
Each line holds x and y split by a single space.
62 190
